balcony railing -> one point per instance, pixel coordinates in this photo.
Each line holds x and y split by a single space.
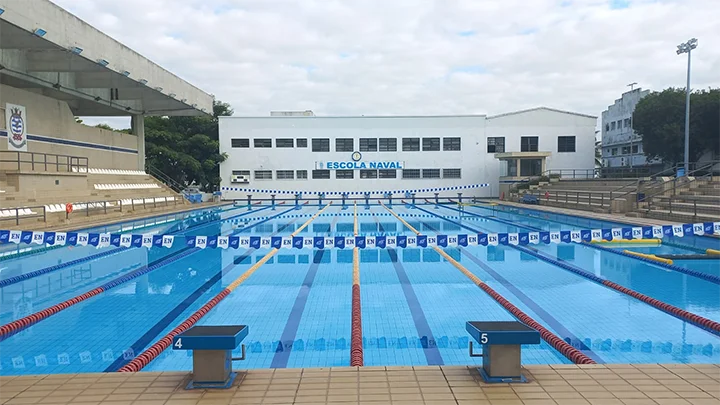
46 162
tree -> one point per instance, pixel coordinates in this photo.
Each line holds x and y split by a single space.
660 119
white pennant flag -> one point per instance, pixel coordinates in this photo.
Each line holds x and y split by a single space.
596 234
678 230
104 240
716 228
391 242
125 240
223 242
349 242
411 241
168 240
431 241
244 241
698 229
201 242
308 242
452 240
147 240
15 237
555 237
657 232
616 233
513 238
472 240
38 237
329 243
265 242
82 239
575 236
60 239
637 232
287 242
534 237
492 239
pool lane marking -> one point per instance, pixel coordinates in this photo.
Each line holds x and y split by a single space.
18 325
560 345
282 353
703 323
163 323
530 303
27 276
432 352
357 355
153 351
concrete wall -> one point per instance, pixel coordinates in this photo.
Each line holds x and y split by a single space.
51 128
477 165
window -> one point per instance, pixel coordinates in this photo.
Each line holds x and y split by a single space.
612 126
607 127
388 145
566 144
614 151
530 167
368 174
635 149
387 173
431 144
344 174
341 145
301 174
284 143
496 144
451 143
411 144
625 150
241 173
411 173
320 174
619 124
320 145
302 143
431 173
284 174
240 143
368 144
528 144
627 122
451 173
263 174
262 143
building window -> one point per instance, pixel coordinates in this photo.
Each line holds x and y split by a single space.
612 126
344 174
387 173
368 144
342 145
431 173
320 174
607 127
388 145
301 142
301 174
451 173
262 143
431 144
368 174
614 151
411 173
528 144
320 145
530 167
625 150
411 144
619 124
263 174
241 173
240 143
451 143
496 144
284 143
566 144
627 122
284 174
635 149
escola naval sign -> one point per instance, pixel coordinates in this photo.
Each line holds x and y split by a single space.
357 164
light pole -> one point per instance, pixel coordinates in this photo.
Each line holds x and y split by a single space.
687 47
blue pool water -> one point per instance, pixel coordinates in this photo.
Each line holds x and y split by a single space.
298 304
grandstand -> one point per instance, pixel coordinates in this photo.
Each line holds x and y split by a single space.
53 68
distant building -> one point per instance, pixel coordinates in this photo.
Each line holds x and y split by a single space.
621 146
306 113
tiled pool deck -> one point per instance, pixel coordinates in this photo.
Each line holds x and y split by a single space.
616 384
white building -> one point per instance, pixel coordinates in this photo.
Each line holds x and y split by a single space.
621 145
357 154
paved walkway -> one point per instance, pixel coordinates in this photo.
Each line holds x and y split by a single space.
618 384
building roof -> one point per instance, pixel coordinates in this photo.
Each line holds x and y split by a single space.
541 108
47 49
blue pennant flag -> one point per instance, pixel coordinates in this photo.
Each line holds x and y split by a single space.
157 240
462 240
627 233
442 240
319 242
190 241
72 239
708 228
276 242
93 239
401 241
482 239
687 229
503 238
585 235
5 236
565 236
212 241
136 241
545 237
607 234
647 232
297 242
340 242
360 242
234 242
667 230
26 237
114 239
49 238
255 242
524 238
422 240
380 242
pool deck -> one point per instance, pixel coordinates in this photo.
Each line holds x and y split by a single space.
617 384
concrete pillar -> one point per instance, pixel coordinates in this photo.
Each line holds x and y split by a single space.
137 124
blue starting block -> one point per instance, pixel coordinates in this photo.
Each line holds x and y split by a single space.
501 343
212 348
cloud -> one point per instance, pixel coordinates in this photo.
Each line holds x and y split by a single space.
402 57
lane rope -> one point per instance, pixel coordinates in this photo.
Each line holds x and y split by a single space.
356 346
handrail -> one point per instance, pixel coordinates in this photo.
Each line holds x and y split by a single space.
21 158
636 182
648 198
164 178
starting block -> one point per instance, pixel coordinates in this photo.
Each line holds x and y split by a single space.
501 343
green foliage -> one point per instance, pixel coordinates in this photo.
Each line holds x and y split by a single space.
660 119
187 148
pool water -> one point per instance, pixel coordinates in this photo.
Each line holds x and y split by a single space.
298 305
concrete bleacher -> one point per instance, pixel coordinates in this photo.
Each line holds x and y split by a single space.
597 195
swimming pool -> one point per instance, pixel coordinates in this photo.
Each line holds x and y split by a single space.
298 304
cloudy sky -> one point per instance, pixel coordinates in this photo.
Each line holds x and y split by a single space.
417 56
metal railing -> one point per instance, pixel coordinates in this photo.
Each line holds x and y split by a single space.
18 213
164 178
16 160
689 205
593 199
701 172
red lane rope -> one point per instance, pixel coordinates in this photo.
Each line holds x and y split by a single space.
356 346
